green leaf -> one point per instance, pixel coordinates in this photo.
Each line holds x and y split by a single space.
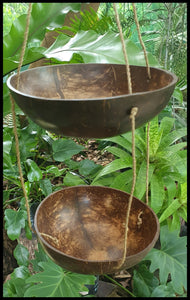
171 187
65 149
166 125
155 136
14 221
21 254
170 259
114 166
28 232
121 180
170 210
174 223
88 167
20 272
172 137
163 291
45 186
16 286
144 282
43 15
40 256
171 150
122 141
179 164
183 196
34 173
56 282
117 152
55 170
140 186
157 192
72 179
178 94
7 142
96 48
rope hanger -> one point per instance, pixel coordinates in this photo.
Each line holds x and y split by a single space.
132 117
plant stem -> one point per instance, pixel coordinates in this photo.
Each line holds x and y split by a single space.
122 287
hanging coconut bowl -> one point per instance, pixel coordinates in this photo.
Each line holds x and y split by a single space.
91 100
82 229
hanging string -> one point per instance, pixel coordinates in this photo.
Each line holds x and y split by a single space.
132 117
147 159
124 49
14 119
24 43
149 76
140 39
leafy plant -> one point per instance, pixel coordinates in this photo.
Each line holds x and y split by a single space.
88 20
43 158
170 259
167 165
49 279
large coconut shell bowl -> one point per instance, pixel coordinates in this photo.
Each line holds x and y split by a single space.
90 100
82 229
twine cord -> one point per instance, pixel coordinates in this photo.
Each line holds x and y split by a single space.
140 39
124 49
147 161
24 43
132 117
14 119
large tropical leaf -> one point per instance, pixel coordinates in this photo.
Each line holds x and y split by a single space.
43 16
56 282
96 48
170 259
144 282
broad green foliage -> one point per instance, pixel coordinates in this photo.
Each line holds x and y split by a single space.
14 221
64 149
43 16
72 179
91 46
167 164
176 208
45 157
89 20
144 282
96 48
34 173
164 291
16 286
49 281
53 281
21 254
170 259
11 11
